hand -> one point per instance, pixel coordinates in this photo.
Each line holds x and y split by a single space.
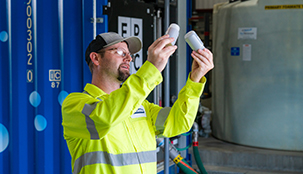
160 51
203 62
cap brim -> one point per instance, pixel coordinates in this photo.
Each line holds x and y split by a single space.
134 44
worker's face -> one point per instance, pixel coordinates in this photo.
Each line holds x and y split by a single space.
116 61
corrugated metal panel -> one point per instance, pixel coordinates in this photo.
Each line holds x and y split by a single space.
41 49
207 4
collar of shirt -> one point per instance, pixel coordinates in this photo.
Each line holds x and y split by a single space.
93 90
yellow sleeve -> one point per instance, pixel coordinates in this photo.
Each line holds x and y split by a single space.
180 117
112 109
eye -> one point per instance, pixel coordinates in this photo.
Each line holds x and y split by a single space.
121 53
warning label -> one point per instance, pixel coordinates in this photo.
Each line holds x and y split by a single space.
282 7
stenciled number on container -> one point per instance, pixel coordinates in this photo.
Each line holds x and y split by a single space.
29 45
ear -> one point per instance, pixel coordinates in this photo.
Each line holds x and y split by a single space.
94 58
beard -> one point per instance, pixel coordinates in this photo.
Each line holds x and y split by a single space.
123 75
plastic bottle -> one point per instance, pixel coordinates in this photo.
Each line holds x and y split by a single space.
194 41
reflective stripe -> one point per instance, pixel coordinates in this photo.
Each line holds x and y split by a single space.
114 159
161 118
90 125
85 92
90 95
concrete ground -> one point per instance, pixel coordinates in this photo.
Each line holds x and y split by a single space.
221 157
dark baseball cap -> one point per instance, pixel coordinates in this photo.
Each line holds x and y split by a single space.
104 40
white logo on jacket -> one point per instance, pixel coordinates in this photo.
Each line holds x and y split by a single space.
139 113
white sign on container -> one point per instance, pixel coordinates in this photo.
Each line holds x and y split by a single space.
246 52
127 27
247 33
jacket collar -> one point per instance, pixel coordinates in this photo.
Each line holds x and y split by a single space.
93 90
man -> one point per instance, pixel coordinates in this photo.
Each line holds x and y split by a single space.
112 129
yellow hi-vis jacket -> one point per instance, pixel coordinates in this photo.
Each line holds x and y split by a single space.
115 133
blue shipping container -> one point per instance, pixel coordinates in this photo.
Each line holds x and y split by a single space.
42 60
42 46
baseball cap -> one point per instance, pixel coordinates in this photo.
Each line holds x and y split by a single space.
104 40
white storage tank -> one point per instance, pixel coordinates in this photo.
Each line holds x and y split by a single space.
258 74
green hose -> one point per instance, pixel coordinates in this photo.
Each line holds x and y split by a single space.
184 148
183 165
198 160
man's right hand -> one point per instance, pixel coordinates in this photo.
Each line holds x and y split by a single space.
159 52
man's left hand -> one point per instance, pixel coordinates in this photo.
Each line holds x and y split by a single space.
203 62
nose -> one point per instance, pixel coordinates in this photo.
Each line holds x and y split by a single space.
128 58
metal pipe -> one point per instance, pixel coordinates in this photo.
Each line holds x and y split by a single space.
155 93
195 132
9 32
176 157
61 18
159 25
95 18
157 33
166 90
166 70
